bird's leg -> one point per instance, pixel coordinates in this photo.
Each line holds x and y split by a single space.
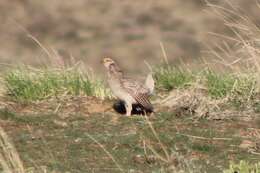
128 107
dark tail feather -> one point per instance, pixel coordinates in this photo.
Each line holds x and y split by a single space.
138 109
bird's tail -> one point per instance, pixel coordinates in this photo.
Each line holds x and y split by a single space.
149 83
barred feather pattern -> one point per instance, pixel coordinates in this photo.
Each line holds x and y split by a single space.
138 92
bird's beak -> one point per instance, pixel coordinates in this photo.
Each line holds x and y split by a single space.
102 61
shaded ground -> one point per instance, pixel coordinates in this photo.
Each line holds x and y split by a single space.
54 142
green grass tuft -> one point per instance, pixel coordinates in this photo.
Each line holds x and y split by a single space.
26 84
169 77
236 86
219 85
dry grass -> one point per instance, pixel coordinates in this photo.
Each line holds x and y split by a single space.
9 158
210 91
243 167
239 52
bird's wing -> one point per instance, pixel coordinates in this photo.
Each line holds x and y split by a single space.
138 91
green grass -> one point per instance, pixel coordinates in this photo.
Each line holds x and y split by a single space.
169 77
205 148
219 85
238 87
27 84
222 85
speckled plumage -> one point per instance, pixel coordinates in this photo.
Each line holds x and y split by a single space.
126 89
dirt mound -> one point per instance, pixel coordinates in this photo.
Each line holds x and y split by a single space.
197 103
69 105
64 106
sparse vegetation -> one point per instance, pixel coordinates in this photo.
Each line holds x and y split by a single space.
55 144
27 84
169 77
235 86
238 88
243 167
219 85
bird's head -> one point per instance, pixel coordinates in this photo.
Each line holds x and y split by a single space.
108 62
112 66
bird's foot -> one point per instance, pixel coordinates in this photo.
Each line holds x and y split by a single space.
128 114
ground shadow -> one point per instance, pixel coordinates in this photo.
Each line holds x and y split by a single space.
138 109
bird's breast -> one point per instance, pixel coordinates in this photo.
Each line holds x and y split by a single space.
120 92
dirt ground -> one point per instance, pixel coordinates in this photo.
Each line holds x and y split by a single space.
58 136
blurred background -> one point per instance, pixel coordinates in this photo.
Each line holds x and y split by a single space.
129 31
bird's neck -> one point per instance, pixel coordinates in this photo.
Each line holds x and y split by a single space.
115 71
